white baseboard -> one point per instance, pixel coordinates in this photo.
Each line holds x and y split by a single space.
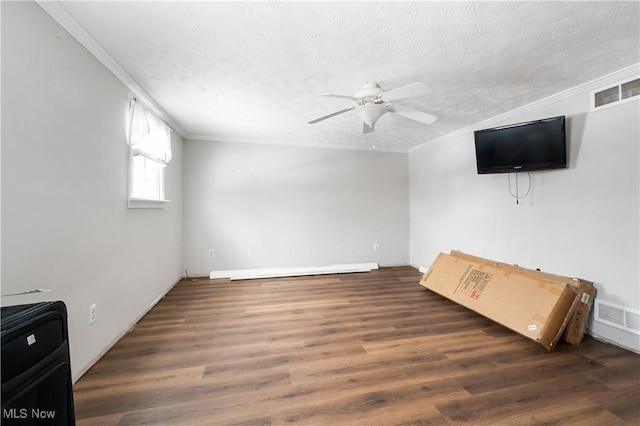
620 338
247 274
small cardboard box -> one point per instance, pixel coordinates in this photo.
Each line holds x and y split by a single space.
530 305
577 324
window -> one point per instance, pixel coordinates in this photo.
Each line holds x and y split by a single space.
147 178
149 153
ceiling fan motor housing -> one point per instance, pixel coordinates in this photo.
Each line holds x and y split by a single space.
369 91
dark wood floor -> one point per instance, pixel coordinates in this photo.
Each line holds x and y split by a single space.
369 348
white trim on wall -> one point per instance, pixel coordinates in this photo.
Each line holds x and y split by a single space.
624 74
77 31
60 15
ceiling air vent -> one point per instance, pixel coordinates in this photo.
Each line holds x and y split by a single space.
615 95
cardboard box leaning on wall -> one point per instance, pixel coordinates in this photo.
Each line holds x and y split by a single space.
577 324
537 308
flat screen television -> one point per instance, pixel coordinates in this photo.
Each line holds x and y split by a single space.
522 147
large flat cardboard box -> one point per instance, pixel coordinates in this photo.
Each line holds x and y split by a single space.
577 324
533 306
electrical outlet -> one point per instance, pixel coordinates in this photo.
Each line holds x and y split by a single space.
249 252
92 313
211 254
376 247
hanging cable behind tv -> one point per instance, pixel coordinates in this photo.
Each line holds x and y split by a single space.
517 195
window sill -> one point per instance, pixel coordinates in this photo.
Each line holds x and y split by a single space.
142 203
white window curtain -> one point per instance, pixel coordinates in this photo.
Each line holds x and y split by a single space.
148 135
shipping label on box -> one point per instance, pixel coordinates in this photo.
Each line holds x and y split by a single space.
534 307
473 282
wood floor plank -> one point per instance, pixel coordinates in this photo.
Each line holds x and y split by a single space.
513 399
559 412
370 348
619 402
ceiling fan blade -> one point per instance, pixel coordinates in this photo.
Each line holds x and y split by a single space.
331 115
415 89
413 114
338 96
366 128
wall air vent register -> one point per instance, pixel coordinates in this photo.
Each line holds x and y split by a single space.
615 95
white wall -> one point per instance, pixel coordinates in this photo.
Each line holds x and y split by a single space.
65 224
293 206
582 221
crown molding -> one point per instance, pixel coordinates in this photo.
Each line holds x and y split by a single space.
69 23
612 78
77 31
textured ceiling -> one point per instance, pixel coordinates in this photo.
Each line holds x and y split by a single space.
250 71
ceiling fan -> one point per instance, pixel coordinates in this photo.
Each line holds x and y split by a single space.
372 102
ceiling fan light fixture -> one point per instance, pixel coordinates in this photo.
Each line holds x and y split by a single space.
370 113
371 102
